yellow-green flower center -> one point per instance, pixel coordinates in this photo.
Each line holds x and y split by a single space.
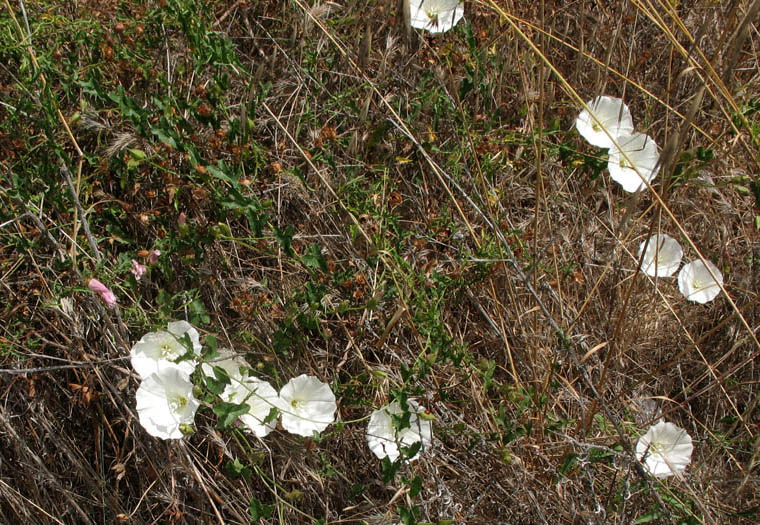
178 403
166 350
432 13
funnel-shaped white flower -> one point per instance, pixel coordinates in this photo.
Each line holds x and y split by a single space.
612 115
383 438
158 350
436 16
642 162
228 361
307 404
260 397
165 402
665 449
662 257
696 283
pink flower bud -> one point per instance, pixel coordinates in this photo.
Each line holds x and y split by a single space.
182 219
153 256
107 295
138 270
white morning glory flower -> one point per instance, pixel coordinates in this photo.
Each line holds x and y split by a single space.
696 283
307 405
228 361
662 257
157 350
165 402
612 114
436 16
642 154
665 449
260 396
385 441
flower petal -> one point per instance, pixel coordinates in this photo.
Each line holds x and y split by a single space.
696 282
385 441
308 405
228 361
435 16
612 114
260 396
165 402
665 449
663 255
642 161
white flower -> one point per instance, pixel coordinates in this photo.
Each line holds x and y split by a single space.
307 405
436 16
228 361
157 350
662 257
696 283
165 402
612 115
385 440
260 397
642 162
665 449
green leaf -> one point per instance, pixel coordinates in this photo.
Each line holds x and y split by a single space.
136 157
411 450
756 193
568 463
189 354
312 258
198 313
219 172
415 486
705 154
229 412
649 517
212 344
258 510
408 515
401 421
272 416
235 469
217 383
285 239
596 455
389 469
164 137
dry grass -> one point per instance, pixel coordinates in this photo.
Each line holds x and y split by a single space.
475 257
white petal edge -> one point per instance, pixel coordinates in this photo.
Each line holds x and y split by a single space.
642 153
308 405
663 255
435 16
385 441
260 396
696 284
665 449
228 361
165 402
612 114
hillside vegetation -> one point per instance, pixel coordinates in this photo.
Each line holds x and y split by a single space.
404 215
